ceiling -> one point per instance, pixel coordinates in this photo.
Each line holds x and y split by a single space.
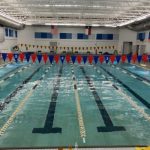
75 12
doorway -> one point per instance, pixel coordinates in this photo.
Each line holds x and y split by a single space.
127 47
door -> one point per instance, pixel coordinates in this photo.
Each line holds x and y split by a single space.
127 47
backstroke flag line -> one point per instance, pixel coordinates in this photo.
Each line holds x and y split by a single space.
75 58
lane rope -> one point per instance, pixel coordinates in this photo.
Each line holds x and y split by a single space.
12 117
19 108
132 102
79 111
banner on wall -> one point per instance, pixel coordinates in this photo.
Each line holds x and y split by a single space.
54 30
88 30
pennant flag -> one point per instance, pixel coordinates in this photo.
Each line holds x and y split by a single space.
118 57
67 58
106 58
90 59
39 57
123 58
33 57
149 58
4 56
101 59
145 58
62 58
73 58
27 55
88 30
54 30
56 58
51 58
129 57
134 58
112 58
21 56
10 56
79 59
16 56
84 59
139 58
45 57
95 59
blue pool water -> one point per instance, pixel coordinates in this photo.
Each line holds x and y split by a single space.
54 105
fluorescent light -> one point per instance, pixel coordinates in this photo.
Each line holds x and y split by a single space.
46 5
66 24
28 23
60 5
95 25
109 25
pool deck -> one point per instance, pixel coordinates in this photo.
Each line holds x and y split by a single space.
82 149
145 65
130 148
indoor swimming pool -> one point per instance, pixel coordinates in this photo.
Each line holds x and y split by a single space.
61 105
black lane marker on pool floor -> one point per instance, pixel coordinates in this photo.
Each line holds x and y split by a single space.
115 86
109 127
48 126
9 97
142 100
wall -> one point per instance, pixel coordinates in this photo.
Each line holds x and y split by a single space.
145 43
26 36
126 35
8 43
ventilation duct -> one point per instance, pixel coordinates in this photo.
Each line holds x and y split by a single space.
2 36
10 23
140 26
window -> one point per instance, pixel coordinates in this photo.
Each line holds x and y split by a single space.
43 35
141 36
49 36
99 37
65 35
11 33
6 32
37 35
82 36
104 36
109 36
